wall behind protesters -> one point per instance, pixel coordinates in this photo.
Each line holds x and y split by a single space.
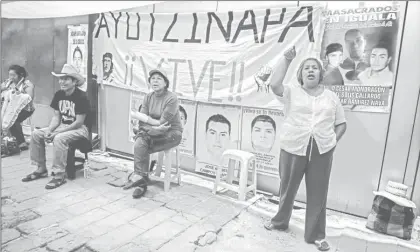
40 45
359 159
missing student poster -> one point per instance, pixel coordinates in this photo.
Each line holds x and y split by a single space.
77 50
218 129
187 111
260 128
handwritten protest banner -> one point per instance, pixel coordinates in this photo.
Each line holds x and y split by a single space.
209 57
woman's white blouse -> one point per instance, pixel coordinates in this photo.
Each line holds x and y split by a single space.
307 116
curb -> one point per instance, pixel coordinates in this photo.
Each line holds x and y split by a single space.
347 231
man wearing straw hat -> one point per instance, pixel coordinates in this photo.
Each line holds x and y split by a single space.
69 123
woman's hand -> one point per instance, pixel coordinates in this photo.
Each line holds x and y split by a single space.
290 53
159 130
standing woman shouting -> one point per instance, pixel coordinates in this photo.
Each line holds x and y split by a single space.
19 84
313 125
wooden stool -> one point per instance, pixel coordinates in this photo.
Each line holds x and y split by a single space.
165 158
246 161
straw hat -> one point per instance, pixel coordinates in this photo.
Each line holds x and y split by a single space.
69 70
397 193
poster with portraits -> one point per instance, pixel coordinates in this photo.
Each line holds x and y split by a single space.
360 52
217 129
187 111
136 100
77 49
260 128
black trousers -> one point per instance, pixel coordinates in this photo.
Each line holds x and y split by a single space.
317 169
16 129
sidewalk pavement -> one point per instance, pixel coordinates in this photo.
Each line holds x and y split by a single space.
90 215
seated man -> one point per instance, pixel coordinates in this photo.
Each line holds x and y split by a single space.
70 123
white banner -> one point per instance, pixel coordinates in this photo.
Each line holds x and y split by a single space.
77 49
209 57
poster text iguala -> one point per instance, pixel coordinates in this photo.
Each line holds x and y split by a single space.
361 17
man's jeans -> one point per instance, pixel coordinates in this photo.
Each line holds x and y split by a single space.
61 145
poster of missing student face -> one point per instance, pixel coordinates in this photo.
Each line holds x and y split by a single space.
136 100
77 50
360 52
259 136
187 111
217 129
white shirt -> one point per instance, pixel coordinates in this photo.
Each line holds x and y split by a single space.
307 116
383 78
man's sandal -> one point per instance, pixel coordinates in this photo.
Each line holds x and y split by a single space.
35 175
55 182
322 245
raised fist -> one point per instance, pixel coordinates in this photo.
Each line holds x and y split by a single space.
262 78
290 53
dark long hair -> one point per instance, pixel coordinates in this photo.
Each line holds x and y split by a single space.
19 70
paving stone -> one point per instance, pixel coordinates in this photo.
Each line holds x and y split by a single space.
185 240
85 219
33 193
407 248
185 219
36 240
206 207
9 235
153 218
94 230
44 221
42 249
67 243
132 247
83 207
184 204
14 208
12 221
115 238
383 247
146 205
21 244
120 218
113 196
159 235
350 244
117 206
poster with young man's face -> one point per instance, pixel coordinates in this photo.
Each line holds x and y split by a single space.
187 111
360 52
217 130
136 100
260 129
